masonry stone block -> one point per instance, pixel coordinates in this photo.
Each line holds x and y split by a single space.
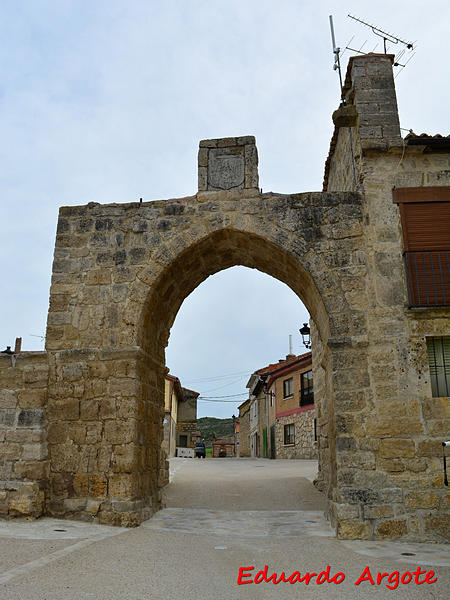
30 417
8 399
392 448
7 417
421 500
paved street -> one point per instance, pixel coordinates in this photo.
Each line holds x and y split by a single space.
221 515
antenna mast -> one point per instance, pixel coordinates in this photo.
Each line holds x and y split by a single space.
336 51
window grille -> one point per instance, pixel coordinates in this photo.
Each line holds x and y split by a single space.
439 361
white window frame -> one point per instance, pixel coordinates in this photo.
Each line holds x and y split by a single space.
291 443
288 383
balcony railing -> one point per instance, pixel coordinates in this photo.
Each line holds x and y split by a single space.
428 277
306 397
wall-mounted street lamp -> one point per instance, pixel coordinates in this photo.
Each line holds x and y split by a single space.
305 332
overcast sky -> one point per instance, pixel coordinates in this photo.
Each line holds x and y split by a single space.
106 101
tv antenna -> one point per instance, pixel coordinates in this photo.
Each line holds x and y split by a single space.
337 61
388 38
42 337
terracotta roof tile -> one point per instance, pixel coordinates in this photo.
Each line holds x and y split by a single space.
279 365
411 135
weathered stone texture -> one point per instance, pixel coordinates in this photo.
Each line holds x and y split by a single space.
106 350
396 411
103 443
23 439
228 164
304 446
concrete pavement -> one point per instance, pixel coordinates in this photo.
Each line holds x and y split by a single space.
221 515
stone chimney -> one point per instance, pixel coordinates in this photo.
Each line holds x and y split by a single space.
18 345
228 164
371 102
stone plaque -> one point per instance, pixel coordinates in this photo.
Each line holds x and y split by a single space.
228 164
226 171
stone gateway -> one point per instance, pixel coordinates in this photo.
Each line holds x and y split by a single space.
81 423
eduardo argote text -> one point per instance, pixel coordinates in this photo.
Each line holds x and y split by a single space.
391 580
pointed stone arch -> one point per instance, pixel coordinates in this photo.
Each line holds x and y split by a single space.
106 350
166 287
219 250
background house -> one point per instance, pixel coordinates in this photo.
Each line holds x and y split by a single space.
224 446
237 427
278 418
180 416
187 419
295 427
173 395
244 428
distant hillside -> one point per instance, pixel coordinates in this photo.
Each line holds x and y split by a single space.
210 427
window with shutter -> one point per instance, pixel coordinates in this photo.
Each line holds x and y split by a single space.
425 216
439 361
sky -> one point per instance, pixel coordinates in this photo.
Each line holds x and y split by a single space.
106 101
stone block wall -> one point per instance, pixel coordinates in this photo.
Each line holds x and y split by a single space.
367 121
388 427
370 88
324 412
104 436
23 434
304 446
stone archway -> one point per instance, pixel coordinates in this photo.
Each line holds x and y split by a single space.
120 275
219 250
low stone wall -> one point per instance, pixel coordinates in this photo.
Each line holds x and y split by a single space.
304 446
23 435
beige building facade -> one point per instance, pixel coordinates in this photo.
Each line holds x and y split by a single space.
281 398
173 395
180 416
82 423
187 433
294 423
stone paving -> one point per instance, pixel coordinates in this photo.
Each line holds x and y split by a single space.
244 523
195 552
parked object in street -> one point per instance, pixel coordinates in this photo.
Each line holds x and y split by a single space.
200 450
185 452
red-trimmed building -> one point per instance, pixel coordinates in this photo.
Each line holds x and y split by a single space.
224 447
282 416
